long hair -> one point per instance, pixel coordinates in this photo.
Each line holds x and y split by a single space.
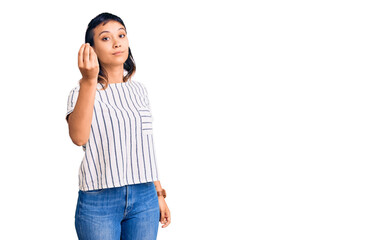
129 64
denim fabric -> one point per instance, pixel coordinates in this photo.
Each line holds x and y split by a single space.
130 212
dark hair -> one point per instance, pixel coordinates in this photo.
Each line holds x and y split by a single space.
129 64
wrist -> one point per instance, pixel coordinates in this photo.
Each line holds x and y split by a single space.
88 82
161 193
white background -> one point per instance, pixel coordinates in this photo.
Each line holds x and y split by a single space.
264 115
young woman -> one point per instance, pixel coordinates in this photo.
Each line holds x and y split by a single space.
109 115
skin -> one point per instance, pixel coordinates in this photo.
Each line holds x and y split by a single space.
108 39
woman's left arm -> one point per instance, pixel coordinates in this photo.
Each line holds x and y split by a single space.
165 216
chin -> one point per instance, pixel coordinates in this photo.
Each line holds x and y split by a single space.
118 62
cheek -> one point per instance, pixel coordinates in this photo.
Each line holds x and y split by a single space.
102 52
126 43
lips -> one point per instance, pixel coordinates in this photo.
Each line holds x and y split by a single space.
117 53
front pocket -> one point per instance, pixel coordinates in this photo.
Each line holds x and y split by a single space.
146 120
94 191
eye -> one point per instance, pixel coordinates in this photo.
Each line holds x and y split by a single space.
104 38
122 35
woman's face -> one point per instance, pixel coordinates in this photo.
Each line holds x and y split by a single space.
109 40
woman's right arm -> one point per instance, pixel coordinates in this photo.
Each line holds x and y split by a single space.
79 121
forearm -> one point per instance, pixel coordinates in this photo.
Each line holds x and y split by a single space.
81 117
158 186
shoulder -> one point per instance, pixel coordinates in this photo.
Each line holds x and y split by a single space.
140 84
137 82
73 93
75 89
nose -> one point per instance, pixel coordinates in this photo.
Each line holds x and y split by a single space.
117 44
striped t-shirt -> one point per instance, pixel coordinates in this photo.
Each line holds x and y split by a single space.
120 148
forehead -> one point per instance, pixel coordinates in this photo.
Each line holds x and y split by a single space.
110 26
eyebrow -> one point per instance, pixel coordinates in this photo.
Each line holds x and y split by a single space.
108 31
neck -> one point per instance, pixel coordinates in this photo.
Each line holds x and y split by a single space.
114 73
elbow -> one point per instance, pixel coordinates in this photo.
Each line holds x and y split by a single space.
77 135
79 142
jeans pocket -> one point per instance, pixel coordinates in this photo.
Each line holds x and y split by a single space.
96 191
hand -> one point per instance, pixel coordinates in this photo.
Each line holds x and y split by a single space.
165 216
88 63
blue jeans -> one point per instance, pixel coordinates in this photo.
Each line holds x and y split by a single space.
130 212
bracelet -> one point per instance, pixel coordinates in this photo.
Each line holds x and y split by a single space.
162 193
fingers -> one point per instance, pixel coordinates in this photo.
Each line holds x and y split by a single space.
88 62
80 56
93 57
166 218
86 57
162 219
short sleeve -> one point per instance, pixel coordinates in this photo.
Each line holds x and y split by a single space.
146 98
145 93
72 99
